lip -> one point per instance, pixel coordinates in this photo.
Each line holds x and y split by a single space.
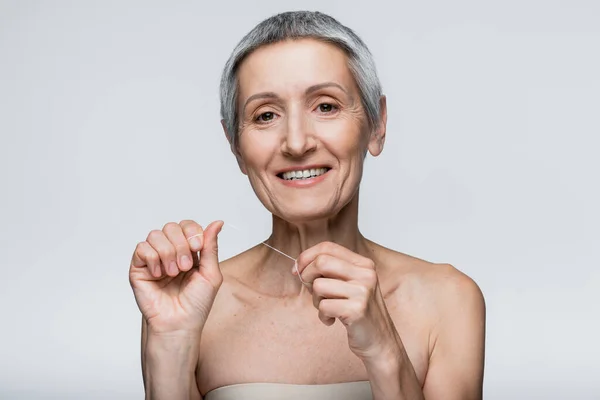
302 183
301 168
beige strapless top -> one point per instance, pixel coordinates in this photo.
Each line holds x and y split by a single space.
275 391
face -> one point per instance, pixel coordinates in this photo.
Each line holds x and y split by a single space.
303 131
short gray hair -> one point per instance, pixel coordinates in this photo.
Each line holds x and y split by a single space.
297 25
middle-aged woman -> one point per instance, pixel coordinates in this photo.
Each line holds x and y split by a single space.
302 107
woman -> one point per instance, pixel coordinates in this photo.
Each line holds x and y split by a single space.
302 106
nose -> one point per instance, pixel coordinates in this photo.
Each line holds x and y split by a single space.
299 138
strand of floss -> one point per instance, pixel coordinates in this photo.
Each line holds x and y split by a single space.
270 247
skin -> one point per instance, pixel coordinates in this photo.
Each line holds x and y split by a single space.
412 328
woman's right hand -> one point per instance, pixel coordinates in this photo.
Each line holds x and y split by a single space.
173 287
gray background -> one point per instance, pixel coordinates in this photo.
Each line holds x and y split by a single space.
109 128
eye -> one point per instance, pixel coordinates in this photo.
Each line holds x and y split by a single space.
326 108
266 117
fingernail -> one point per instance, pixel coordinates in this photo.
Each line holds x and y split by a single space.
196 241
173 267
186 262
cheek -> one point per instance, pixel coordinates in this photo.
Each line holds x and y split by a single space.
256 149
345 138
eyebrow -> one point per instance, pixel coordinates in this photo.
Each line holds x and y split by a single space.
264 95
320 86
311 89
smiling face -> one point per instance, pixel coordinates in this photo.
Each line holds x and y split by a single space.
303 131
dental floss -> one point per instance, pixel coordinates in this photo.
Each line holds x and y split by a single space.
269 246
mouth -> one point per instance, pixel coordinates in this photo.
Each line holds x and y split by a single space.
302 174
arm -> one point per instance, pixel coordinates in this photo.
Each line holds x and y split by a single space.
456 362
457 359
349 291
169 365
394 377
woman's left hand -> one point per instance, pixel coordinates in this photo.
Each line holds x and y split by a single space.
344 285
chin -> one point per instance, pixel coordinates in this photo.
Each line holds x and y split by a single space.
308 207
297 217
308 211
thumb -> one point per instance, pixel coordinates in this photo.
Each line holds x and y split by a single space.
209 255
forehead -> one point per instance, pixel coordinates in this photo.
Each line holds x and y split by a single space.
289 67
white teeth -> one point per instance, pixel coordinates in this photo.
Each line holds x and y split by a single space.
304 174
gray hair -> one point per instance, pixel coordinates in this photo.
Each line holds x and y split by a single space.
297 25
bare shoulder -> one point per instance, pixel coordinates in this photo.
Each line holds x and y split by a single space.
459 306
451 287
447 307
440 288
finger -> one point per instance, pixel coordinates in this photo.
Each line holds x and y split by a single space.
174 233
145 256
325 288
194 234
324 314
327 266
334 250
166 251
328 321
343 309
209 255
336 289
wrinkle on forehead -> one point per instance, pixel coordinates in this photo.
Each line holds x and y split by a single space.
289 68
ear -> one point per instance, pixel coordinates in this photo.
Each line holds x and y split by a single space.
377 139
234 149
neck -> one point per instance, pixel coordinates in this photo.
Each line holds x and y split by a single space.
272 275
294 237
